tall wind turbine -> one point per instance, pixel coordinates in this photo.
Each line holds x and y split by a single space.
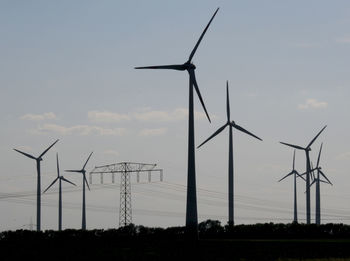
191 205
295 173
317 181
307 150
83 171
38 187
230 124
59 178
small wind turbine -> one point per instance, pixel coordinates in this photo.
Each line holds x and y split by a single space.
83 171
295 173
307 150
59 178
317 181
230 124
38 187
191 205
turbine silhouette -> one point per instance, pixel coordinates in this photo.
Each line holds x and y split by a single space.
59 178
83 171
38 187
307 150
316 181
191 205
295 173
230 124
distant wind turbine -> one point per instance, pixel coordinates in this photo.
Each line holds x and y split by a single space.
307 150
59 178
317 181
191 205
230 124
295 173
38 187
83 171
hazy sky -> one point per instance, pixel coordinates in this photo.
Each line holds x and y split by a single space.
67 73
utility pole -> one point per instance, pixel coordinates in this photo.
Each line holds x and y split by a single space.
125 169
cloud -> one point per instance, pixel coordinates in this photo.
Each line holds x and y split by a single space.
39 117
178 114
81 130
343 156
305 45
343 40
312 104
25 148
145 115
152 132
107 116
111 152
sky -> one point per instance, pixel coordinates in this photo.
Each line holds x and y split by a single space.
67 73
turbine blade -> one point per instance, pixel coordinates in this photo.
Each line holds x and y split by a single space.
25 154
66 180
290 173
300 176
311 170
201 37
42 154
293 146
294 160
312 183
87 160
86 182
227 103
194 81
58 168
214 134
325 177
72 170
313 140
244 130
319 156
171 67
53 182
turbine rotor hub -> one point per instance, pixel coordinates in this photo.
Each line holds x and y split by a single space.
189 66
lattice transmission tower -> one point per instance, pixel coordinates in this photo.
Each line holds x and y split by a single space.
125 169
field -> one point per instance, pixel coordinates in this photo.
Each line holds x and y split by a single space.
254 242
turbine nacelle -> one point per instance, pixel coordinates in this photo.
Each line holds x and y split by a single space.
189 66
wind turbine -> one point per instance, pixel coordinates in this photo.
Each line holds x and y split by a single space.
191 205
38 187
59 178
230 124
317 181
307 150
295 173
83 171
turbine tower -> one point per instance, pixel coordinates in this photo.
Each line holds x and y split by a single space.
317 181
59 178
307 150
83 171
295 173
230 124
38 187
191 205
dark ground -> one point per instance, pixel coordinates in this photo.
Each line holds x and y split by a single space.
244 242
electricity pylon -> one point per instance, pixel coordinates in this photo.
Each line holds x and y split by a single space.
125 169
